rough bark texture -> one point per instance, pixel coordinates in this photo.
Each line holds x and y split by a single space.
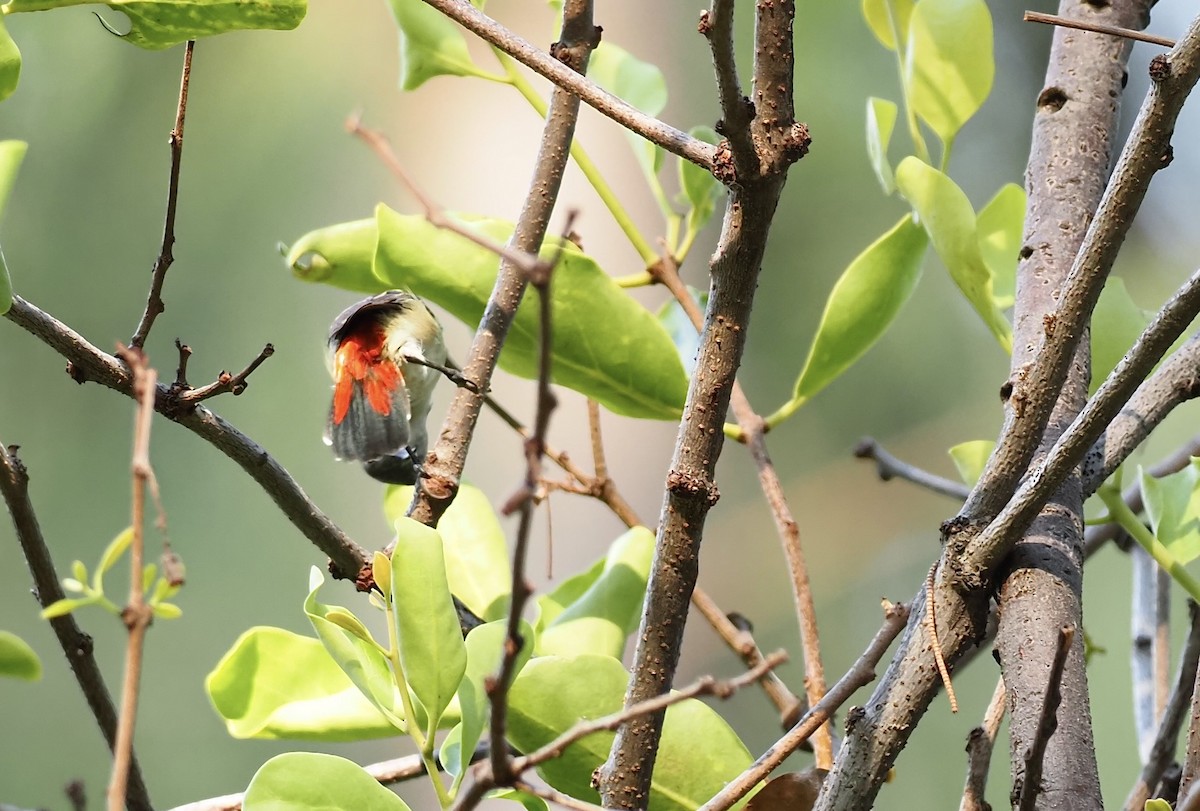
1077 114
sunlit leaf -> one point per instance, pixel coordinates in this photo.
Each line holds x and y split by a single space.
167 611
112 554
881 120
876 13
999 226
10 63
638 83
308 781
11 155
1173 507
60 608
17 659
947 216
530 802
971 457
341 255
430 44
949 65
550 606
865 300
276 684
476 551
1117 322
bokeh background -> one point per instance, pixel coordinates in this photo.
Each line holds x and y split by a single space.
266 159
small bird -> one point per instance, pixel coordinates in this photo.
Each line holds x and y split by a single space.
382 389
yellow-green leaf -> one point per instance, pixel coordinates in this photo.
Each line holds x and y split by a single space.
971 457
881 15
948 62
17 659
881 120
999 226
430 44
10 63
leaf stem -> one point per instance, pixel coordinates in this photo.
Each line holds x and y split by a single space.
1129 522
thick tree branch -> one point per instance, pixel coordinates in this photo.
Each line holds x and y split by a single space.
1028 783
14 484
86 362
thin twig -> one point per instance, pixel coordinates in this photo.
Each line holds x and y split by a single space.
862 672
552 796
136 614
225 382
1097 28
86 362
889 467
1162 752
548 65
14 484
1031 781
716 25
154 302
980 743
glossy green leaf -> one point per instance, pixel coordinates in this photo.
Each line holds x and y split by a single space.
485 645
60 608
881 121
11 155
948 62
362 661
276 684
880 16
639 83
971 457
431 643
10 63
999 226
1173 507
1157 804
681 329
1117 322
607 346
865 300
530 802
308 781
700 189
550 606
167 611
158 24
430 44
341 255
475 547
604 615
947 216
698 754
112 554
17 659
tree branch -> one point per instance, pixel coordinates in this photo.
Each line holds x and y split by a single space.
889 467
1085 25
980 743
1028 783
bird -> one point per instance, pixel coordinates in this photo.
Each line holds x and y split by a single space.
385 354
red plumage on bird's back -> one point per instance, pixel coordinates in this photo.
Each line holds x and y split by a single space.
360 359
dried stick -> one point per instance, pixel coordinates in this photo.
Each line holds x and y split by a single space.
1098 28
86 362
862 672
1030 783
154 302
225 382
568 79
136 614
1162 751
889 467
980 743
14 484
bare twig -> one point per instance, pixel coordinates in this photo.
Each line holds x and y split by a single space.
552 796
860 673
14 484
1098 28
736 110
980 743
1030 782
154 302
1162 751
889 467
136 614
566 78
86 362
225 382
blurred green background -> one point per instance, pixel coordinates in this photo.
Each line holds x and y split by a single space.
266 159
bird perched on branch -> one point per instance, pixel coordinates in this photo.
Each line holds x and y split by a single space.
385 354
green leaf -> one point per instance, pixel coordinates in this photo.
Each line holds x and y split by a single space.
476 551
10 64
876 12
60 608
1157 804
639 83
363 662
531 802
1173 507
999 226
158 24
112 554
11 155
276 684
17 659
607 346
949 65
881 120
485 645
603 616
430 45
1117 322
681 329
167 611
431 643
550 606
971 457
698 754
307 781
340 255
948 218
865 300
700 188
